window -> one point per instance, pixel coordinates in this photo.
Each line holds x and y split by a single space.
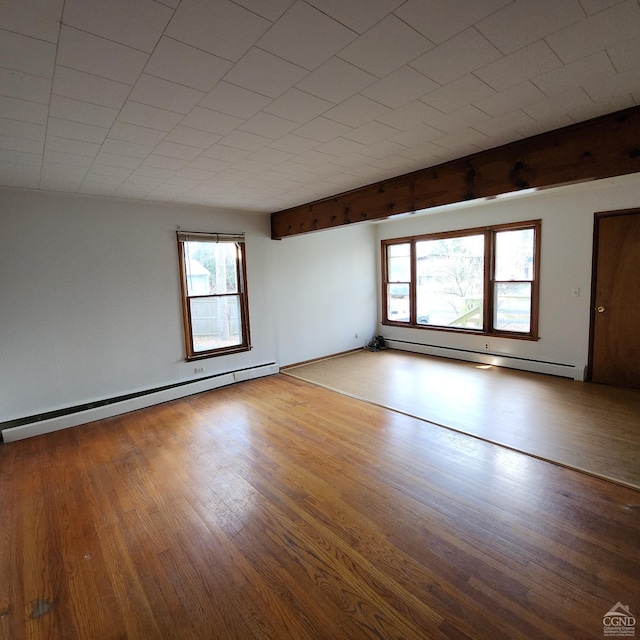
214 294
477 280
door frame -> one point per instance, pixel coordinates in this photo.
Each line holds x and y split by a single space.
598 216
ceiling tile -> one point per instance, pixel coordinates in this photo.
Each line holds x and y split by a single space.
268 125
101 57
126 148
409 115
559 105
89 88
322 130
181 63
153 172
16 84
72 159
298 106
381 149
371 132
270 156
76 130
217 26
146 116
523 22
340 147
624 55
25 145
27 130
110 159
271 10
613 87
23 110
36 18
211 121
292 143
136 133
356 111
164 162
64 145
305 36
401 86
507 122
426 152
457 57
228 154
605 29
336 80
265 73
80 111
515 68
136 24
173 150
385 47
358 15
595 6
417 135
165 95
22 53
106 170
439 20
467 116
463 141
510 99
233 100
244 140
570 76
458 93
314 158
192 137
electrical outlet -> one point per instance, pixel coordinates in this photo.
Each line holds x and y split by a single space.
486 346
198 370
575 292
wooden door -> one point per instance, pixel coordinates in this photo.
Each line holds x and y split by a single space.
615 320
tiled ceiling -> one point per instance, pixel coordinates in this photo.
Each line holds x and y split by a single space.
265 104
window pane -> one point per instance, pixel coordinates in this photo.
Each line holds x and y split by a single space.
398 302
512 310
215 322
514 255
398 262
211 268
450 274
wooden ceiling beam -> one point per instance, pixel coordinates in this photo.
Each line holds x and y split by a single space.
600 148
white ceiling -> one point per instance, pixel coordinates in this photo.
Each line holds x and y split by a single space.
266 104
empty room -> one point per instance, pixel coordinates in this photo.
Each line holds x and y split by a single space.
319 319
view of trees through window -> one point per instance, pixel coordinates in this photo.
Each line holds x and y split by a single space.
447 280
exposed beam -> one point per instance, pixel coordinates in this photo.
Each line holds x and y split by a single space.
600 148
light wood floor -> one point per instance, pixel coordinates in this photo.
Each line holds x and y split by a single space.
591 427
278 509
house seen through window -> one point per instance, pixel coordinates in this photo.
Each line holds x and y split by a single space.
214 297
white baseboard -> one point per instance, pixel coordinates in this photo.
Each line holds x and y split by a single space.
574 371
147 400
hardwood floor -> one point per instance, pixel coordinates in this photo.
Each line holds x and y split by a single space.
591 427
278 509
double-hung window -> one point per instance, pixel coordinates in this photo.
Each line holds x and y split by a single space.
481 280
214 294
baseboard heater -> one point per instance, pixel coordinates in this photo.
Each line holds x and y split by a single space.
27 427
574 371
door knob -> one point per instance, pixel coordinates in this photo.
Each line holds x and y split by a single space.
601 309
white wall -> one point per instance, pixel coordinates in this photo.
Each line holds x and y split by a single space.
90 300
567 215
325 292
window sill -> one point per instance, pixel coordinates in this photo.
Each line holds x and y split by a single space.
472 332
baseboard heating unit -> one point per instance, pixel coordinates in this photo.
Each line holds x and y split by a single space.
19 429
574 371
